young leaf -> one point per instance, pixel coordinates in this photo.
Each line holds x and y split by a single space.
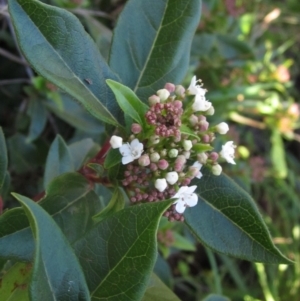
113 158
56 272
145 62
116 204
129 102
57 46
118 255
59 160
70 201
157 290
227 220
14 283
3 159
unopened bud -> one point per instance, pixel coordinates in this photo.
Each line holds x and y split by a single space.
136 128
161 184
173 153
163 164
187 145
193 119
222 128
163 94
154 139
144 160
116 141
210 111
170 87
216 169
154 157
172 177
202 158
154 99
179 91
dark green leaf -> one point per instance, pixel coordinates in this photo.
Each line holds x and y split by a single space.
129 102
56 272
59 160
38 116
71 202
14 284
227 220
57 46
73 113
151 43
3 159
157 290
118 255
186 130
113 158
116 204
163 271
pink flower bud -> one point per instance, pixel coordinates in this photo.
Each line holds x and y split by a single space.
179 91
170 87
193 119
144 160
136 128
214 156
154 99
163 164
177 104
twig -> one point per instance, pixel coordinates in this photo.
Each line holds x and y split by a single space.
12 57
247 121
14 81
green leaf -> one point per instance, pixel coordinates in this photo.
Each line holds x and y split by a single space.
59 160
113 158
187 131
72 112
55 43
71 202
118 255
157 290
38 116
151 43
227 220
129 102
14 283
116 204
214 297
3 159
278 155
182 243
163 271
56 271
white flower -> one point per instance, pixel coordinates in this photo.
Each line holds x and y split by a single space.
186 198
131 151
199 166
195 89
216 169
227 152
222 128
172 177
116 141
210 111
200 103
161 184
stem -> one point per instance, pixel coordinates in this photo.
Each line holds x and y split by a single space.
213 264
247 121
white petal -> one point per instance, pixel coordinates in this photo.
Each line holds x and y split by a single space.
180 206
136 145
180 192
198 165
127 159
190 189
125 150
192 200
199 175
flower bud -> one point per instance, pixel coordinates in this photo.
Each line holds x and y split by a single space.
214 156
154 99
193 171
163 152
163 164
172 177
173 153
154 139
136 128
210 111
202 158
179 91
163 94
187 145
187 154
222 128
170 87
193 119
144 160
216 169
116 141
154 157
179 163
161 184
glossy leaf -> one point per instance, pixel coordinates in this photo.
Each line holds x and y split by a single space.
118 255
151 43
113 158
227 220
57 46
14 283
129 102
56 272
3 159
59 160
116 204
71 202
157 290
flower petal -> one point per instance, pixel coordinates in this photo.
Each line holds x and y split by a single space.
125 150
180 206
190 189
127 159
192 200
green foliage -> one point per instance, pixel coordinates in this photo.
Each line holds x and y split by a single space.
3 159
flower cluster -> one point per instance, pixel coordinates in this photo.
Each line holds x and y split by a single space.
162 160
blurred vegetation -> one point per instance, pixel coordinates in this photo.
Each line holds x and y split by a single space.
247 54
